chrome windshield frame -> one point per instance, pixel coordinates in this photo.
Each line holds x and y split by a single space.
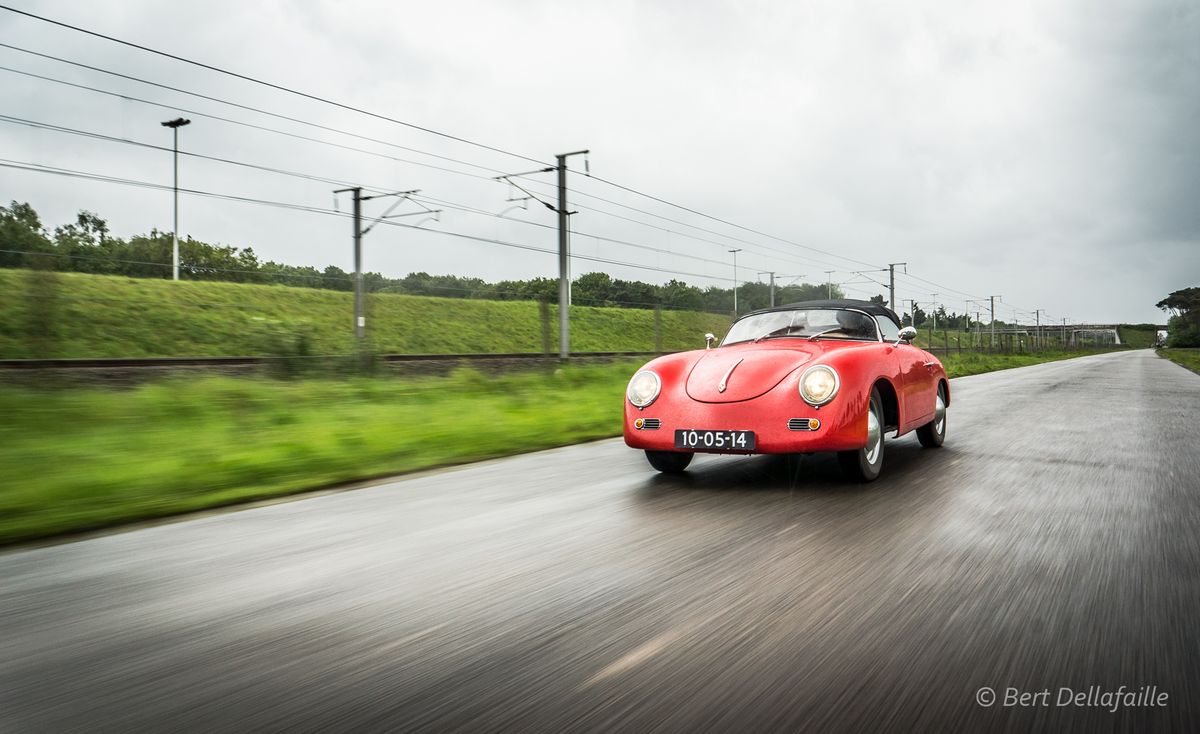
869 317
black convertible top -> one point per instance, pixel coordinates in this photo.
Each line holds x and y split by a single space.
875 309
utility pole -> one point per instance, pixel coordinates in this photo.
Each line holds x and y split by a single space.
992 300
360 291
771 273
564 263
829 283
1064 333
892 283
360 297
912 312
1037 313
175 124
735 252
933 311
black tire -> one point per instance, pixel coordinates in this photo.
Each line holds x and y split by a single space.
669 462
865 464
933 434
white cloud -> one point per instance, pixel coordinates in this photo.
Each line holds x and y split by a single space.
1044 150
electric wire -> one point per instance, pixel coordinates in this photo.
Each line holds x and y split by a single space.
33 167
270 85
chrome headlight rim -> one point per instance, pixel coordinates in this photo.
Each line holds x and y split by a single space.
837 385
654 396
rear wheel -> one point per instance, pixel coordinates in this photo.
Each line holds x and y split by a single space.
669 462
933 434
864 465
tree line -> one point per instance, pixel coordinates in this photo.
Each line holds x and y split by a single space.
1183 326
87 246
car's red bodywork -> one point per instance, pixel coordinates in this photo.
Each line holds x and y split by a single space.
762 393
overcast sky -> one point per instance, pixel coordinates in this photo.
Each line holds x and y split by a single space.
1046 151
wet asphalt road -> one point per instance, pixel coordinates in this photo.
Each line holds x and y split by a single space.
1053 542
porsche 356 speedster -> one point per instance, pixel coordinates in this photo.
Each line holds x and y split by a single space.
832 375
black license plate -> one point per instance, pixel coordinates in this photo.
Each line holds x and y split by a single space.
714 440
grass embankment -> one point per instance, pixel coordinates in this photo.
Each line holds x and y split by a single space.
1189 358
77 315
974 363
1137 338
79 458
1134 337
83 458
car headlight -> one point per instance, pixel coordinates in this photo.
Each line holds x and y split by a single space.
643 388
819 384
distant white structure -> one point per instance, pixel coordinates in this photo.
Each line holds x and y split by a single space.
1095 336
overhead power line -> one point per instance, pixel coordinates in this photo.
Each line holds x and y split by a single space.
728 223
264 83
338 182
757 247
358 110
218 100
722 245
152 146
38 168
340 131
368 113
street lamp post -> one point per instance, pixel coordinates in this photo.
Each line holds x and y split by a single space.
175 124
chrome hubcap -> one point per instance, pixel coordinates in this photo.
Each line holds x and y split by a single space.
939 416
874 437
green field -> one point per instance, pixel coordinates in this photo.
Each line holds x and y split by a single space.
1189 358
87 457
1137 337
973 363
77 315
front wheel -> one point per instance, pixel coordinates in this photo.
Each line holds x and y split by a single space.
669 462
864 465
933 434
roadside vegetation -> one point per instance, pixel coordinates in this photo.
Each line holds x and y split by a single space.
1183 326
87 246
86 457
1137 336
49 314
974 363
1189 358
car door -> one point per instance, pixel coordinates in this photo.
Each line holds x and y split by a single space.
905 366
918 386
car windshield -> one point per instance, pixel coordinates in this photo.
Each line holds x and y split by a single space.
824 323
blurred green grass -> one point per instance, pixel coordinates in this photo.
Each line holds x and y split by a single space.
87 457
974 363
1189 358
65 315
83 458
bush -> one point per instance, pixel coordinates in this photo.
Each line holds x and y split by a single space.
1183 332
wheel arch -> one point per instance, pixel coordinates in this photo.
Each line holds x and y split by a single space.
891 402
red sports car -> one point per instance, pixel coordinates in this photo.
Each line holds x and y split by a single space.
815 376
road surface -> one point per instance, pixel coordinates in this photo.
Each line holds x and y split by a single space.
1054 542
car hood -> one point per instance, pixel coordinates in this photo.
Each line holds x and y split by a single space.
747 370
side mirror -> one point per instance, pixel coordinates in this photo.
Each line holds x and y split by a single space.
907 334
709 338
